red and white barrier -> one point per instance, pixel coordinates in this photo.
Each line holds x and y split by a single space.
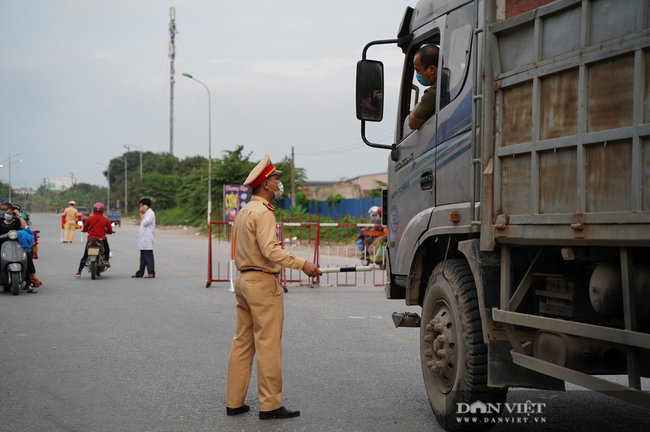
78 226
337 255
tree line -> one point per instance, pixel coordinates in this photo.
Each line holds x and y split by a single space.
177 187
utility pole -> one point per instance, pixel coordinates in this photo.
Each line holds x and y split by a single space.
172 54
126 192
293 180
128 147
108 176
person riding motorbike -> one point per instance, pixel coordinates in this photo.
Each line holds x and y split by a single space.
13 220
97 226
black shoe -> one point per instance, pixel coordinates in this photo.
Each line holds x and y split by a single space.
279 413
234 411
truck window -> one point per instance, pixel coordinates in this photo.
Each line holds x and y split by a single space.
455 53
417 89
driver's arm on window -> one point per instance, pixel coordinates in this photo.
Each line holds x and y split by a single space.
424 109
414 122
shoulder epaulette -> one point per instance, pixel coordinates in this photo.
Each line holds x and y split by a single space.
269 206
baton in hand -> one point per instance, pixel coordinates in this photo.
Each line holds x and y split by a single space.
346 269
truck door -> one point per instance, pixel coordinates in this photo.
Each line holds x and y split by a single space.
453 162
411 188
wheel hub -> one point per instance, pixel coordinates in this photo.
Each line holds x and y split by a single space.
441 338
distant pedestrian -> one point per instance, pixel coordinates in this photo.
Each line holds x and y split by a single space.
71 215
145 239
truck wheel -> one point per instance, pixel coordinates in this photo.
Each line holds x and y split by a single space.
93 270
15 284
452 352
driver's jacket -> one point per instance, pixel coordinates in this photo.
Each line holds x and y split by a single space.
97 226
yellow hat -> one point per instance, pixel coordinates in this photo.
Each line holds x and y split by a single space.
261 172
72 202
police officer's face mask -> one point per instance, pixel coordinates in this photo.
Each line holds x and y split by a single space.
280 190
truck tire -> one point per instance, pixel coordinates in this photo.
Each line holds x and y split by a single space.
15 283
452 352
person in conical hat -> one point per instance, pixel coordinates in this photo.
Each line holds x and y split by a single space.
259 257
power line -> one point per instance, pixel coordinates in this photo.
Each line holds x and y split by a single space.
344 148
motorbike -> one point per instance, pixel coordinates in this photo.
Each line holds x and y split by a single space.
13 263
372 251
96 262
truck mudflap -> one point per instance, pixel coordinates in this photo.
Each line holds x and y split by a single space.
502 370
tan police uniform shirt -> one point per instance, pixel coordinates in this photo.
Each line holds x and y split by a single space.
71 214
256 240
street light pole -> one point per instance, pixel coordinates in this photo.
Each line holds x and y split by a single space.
209 147
126 193
108 176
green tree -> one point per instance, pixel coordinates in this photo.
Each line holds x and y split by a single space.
4 191
191 164
232 168
160 188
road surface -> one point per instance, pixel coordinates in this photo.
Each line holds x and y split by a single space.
123 354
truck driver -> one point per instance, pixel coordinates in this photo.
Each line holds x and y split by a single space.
426 69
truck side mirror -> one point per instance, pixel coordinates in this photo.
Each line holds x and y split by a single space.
370 90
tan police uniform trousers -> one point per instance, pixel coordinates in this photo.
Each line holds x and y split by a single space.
260 295
69 230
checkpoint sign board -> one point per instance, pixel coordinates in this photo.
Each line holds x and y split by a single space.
234 198
79 225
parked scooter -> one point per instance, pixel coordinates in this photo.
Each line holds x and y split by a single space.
95 263
13 263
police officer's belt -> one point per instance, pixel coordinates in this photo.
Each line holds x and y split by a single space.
257 270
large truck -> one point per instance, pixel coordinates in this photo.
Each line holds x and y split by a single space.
518 214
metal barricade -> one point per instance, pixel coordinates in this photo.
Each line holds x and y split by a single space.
223 253
325 245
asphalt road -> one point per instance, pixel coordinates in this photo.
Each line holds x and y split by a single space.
122 354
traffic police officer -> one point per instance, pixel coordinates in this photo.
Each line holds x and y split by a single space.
260 308
70 214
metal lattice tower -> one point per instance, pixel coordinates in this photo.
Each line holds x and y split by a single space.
172 54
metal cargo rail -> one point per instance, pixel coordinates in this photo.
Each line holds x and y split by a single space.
570 167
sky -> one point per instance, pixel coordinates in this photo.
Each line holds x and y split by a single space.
79 79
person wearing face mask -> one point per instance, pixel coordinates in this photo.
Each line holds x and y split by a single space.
259 257
145 240
13 220
425 63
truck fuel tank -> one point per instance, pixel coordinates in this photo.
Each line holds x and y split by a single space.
606 290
